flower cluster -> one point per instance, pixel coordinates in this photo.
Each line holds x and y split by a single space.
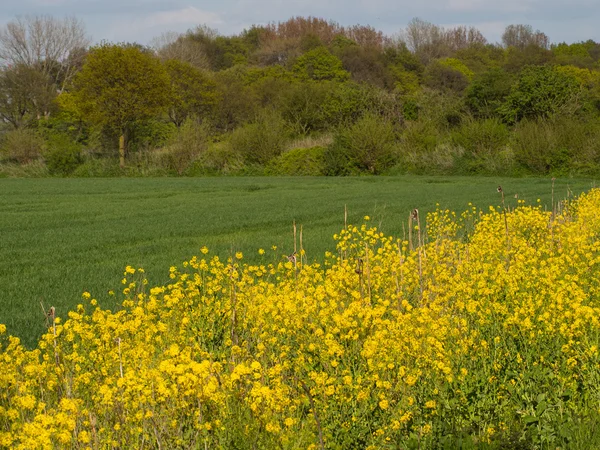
485 326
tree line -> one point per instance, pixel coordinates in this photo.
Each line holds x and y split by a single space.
302 97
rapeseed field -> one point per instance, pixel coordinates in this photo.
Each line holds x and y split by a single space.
478 330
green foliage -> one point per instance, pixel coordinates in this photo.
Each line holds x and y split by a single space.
577 54
193 92
320 65
98 168
540 92
120 84
367 65
366 146
487 92
148 134
62 154
299 161
25 94
260 141
485 145
238 103
481 58
560 146
22 146
445 78
532 55
314 106
406 82
423 148
190 142
218 159
457 64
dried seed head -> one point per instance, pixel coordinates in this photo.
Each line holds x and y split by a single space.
499 189
415 214
359 265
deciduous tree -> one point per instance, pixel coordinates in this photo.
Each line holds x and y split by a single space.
53 46
120 84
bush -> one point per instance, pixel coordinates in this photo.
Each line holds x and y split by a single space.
62 154
485 145
367 146
186 147
560 146
149 134
541 92
218 159
299 161
98 167
261 141
22 146
423 148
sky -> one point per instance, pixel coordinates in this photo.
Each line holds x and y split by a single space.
141 20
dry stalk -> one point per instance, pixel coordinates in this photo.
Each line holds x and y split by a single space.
302 255
120 358
315 415
51 315
505 229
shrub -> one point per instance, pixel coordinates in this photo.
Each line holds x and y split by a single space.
487 92
260 141
22 146
559 146
188 144
367 146
299 161
423 148
149 134
218 159
98 167
445 78
62 154
485 146
541 92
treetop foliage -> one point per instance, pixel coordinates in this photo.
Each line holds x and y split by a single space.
309 75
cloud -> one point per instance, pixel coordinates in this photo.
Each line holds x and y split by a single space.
143 28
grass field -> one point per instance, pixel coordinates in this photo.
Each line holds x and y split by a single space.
60 237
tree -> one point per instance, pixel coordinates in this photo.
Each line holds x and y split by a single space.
444 77
119 85
540 92
25 95
318 64
487 92
172 45
192 92
52 46
521 36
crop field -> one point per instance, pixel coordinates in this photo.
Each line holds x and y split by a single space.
61 237
474 330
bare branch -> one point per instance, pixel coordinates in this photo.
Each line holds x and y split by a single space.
52 46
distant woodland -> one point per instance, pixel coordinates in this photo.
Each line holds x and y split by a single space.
302 97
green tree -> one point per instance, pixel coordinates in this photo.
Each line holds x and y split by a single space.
119 85
540 92
320 65
444 77
193 93
487 92
26 94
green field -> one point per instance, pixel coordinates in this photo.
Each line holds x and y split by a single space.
60 237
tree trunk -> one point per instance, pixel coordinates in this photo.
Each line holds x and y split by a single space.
122 150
